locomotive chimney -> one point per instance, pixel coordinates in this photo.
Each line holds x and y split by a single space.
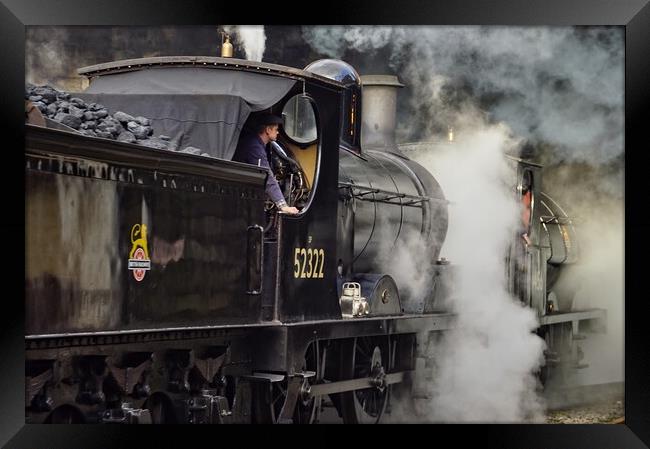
378 112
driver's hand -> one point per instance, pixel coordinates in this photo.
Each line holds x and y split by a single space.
289 210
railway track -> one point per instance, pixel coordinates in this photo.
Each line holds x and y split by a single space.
589 404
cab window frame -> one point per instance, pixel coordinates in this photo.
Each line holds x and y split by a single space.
304 145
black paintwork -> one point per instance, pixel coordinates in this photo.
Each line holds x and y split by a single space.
83 197
311 299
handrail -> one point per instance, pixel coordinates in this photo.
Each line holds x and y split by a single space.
390 196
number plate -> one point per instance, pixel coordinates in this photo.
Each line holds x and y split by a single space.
308 263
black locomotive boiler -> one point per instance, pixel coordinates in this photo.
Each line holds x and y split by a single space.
162 287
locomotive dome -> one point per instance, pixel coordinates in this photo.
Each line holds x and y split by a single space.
335 69
344 73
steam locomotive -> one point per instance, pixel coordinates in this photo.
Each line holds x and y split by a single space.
163 287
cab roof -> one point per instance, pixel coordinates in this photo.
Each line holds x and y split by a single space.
209 62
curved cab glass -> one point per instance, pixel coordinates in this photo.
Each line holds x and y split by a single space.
300 120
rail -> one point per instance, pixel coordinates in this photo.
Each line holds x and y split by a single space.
546 219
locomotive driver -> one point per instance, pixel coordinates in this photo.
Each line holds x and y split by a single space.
251 149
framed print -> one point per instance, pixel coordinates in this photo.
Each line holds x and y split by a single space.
418 101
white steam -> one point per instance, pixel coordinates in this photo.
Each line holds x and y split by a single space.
603 266
599 222
253 39
411 267
334 41
485 366
559 85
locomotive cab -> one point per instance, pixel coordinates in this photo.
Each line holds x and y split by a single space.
294 156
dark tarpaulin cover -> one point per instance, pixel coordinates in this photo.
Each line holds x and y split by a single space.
200 107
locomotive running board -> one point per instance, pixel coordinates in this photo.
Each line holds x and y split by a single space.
264 377
355 384
595 319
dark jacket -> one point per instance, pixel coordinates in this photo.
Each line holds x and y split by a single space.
251 150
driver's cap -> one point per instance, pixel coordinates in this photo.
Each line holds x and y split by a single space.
269 119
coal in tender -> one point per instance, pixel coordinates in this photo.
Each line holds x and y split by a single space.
143 121
78 102
123 117
94 119
48 93
68 120
41 106
126 136
51 109
156 143
77 112
63 106
191 150
139 131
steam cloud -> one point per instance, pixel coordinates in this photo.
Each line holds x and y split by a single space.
485 366
562 86
599 221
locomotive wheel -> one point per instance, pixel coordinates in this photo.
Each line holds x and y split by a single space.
269 398
309 409
365 357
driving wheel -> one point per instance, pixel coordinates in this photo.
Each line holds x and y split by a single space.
365 357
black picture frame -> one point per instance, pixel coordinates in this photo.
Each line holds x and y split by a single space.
633 14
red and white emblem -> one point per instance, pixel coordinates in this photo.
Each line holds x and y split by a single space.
139 259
